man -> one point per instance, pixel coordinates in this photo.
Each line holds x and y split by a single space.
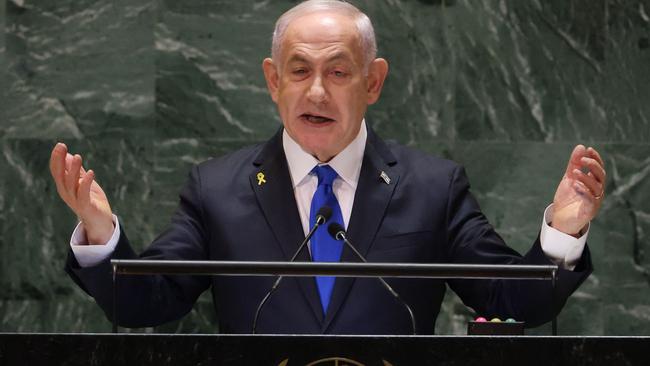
397 204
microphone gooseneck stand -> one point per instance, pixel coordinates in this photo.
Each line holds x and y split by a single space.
323 214
338 232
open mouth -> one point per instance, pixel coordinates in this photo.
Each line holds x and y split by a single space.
313 118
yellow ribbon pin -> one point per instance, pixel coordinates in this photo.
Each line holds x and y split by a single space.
260 178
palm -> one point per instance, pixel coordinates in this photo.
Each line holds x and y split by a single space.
579 194
97 206
571 206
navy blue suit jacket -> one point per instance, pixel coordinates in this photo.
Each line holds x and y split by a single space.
426 214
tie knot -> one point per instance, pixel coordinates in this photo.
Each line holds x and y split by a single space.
326 174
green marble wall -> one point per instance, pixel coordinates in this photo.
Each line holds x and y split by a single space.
145 89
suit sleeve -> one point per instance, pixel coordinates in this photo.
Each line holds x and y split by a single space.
471 239
144 301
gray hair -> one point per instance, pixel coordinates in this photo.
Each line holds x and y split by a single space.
363 23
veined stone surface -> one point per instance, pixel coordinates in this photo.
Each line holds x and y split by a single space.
144 89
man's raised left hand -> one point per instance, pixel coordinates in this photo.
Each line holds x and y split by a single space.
580 192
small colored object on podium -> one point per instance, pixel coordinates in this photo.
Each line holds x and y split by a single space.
481 326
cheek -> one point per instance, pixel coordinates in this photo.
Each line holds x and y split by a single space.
288 98
356 95
355 105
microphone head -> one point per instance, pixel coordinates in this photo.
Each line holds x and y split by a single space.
334 229
325 212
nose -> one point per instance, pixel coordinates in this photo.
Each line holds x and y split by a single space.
316 93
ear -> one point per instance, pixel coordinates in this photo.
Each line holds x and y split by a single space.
377 72
272 78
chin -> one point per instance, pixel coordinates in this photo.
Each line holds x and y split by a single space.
319 148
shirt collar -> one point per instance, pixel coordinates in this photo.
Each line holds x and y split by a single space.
347 163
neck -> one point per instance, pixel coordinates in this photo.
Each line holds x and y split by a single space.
323 158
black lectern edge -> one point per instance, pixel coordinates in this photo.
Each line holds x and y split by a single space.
304 269
374 336
339 269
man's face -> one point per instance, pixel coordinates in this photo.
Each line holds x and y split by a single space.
319 83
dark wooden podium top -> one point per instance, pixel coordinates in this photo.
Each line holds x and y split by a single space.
289 350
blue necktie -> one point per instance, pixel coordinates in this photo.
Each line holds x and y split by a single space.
324 248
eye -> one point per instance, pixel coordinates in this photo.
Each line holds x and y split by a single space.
299 71
339 73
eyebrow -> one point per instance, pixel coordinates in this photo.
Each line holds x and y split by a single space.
297 58
337 56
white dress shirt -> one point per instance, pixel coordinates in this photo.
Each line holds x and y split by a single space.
564 250
347 164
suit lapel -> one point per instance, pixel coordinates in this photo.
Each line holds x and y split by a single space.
368 210
272 185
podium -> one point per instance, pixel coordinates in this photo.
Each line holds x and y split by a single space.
288 350
338 269
320 350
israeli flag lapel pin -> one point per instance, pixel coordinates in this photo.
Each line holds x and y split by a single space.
384 177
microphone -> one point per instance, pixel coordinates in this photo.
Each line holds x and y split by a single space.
323 214
338 233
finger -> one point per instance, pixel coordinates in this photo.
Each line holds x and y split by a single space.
72 175
83 192
594 187
581 188
57 160
594 168
594 154
82 173
57 167
601 192
76 172
574 161
68 161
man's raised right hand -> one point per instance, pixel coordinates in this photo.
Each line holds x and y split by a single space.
78 189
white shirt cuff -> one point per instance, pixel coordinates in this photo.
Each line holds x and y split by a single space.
89 255
563 249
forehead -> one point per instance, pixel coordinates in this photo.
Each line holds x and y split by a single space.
321 34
